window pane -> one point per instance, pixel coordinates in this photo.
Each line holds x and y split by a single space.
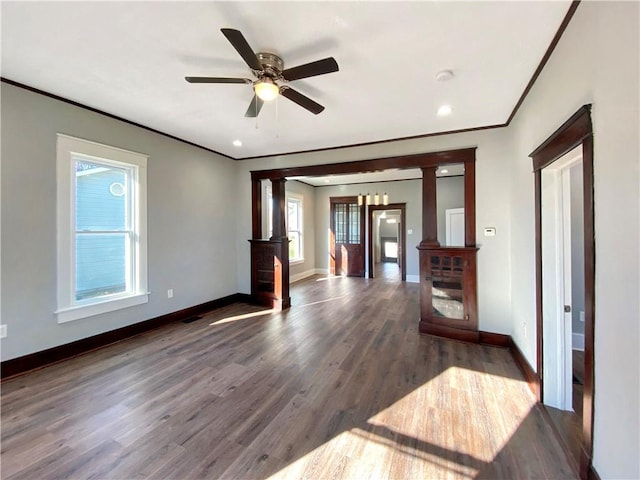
101 264
101 197
294 245
340 222
293 215
354 223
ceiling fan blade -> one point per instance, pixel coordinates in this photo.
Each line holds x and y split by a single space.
216 80
302 100
319 67
238 41
254 107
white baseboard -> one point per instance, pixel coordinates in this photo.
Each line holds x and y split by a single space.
577 341
413 278
308 273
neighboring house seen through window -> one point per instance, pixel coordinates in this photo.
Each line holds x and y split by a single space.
102 257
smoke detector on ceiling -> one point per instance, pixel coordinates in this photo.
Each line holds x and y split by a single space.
444 75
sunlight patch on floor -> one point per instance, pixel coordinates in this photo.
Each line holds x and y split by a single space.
244 316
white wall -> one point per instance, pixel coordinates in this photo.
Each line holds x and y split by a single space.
188 192
596 61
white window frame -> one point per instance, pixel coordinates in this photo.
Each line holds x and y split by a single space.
269 218
69 308
300 201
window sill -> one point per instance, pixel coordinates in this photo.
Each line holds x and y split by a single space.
83 311
296 262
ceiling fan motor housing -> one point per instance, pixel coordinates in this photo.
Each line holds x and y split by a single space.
272 64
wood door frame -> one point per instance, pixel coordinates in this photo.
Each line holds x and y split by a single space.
403 241
576 131
332 245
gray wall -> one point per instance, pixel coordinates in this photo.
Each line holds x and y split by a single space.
188 202
309 228
597 61
449 194
408 192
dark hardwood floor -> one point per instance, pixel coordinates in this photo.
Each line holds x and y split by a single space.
339 386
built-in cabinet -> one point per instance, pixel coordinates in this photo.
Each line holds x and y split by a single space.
269 268
448 302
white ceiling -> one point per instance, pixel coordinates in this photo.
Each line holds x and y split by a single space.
130 58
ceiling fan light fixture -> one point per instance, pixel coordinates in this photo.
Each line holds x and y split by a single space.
266 89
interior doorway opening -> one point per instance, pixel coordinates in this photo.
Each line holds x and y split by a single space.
559 359
386 241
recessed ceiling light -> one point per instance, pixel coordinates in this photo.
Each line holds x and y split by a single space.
444 170
237 143
445 110
444 75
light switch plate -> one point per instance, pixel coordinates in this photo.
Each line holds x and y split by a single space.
3 331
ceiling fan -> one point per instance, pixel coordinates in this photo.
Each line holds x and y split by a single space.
271 76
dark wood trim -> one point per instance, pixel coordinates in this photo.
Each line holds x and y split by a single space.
459 334
545 58
256 209
577 130
429 208
403 239
568 136
17 366
279 208
470 204
106 114
538 266
428 159
593 474
495 339
590 276
532 378
377 181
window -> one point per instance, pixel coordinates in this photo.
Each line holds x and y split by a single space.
294 222
294 228
102 246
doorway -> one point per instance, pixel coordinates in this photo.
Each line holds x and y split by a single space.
561 164
386 221
346 237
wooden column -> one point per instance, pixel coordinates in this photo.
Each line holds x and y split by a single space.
429 208
256 209
279 208
270 258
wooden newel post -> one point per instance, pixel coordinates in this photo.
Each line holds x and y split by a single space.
279 209
429 208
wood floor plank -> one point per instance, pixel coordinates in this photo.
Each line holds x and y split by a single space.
340 386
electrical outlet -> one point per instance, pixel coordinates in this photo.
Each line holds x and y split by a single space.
3 331
410 231
170 293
